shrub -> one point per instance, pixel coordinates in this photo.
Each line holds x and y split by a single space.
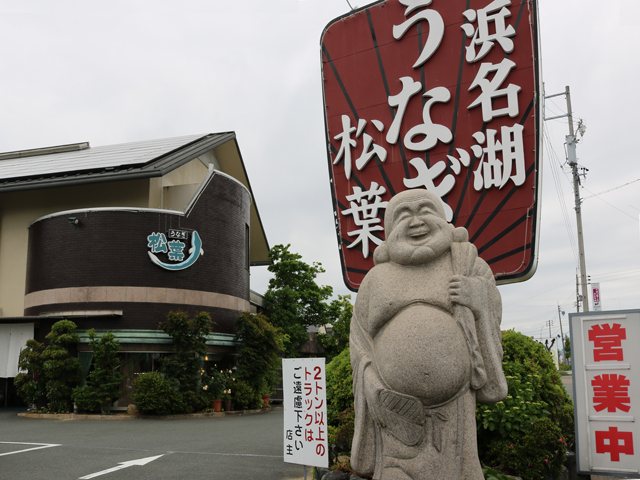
50 371
339 385
535 456
102 387
154 394
86 399
214 382
491 474
30 382
341 434
245 396
259 352
185 365
340 410
61 366
195 401
527 433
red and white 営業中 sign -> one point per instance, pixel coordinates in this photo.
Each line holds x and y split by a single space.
436 94
606 379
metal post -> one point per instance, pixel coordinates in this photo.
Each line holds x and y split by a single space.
573 163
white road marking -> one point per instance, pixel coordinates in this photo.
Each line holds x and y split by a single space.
131 463
40 446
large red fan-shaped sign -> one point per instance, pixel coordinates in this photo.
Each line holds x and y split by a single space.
442 95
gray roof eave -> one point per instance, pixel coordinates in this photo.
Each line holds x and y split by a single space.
155 168
48 182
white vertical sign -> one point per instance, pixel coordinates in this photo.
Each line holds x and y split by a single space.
305 411
13 338
606 379
595 297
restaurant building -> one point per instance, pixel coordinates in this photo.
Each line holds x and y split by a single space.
115 237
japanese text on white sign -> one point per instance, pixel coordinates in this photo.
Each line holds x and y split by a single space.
305 411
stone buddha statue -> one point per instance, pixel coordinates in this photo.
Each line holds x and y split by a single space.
425 346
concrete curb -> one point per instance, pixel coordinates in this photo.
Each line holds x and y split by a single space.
74 416
65 417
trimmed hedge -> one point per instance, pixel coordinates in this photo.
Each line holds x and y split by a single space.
154 394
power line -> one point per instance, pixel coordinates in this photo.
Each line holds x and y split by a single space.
611 205
555 164
617 275
611 189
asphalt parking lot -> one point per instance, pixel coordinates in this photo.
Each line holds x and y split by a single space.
212 448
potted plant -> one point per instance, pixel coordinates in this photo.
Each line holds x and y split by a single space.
228 380
265 394
214 386
226 398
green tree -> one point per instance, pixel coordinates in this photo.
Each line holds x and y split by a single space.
30 382
294 300
61 366
259 352
102 386
185 365
337 339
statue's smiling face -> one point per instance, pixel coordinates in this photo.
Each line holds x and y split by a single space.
418 233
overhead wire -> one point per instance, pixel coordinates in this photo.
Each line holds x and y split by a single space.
555 165
616 275
598 196
553 110
613 189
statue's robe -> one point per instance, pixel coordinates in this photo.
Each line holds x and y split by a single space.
419 363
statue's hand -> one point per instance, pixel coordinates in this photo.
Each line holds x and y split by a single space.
467 291
399 414
372 388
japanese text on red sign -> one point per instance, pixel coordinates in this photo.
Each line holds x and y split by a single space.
499 153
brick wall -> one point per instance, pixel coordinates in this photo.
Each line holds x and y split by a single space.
109 248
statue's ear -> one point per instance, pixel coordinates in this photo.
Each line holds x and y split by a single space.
381 254
460 234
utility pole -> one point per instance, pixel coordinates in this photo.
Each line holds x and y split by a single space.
571 142
560 313
577 291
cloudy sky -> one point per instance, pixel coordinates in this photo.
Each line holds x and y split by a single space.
116 71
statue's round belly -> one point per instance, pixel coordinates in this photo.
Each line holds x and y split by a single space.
423 352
